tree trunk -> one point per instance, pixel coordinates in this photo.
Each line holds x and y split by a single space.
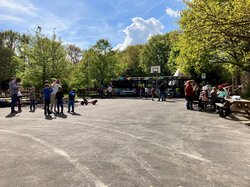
245 80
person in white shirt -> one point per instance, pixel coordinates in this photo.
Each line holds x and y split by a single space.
146 92
110 91
54 86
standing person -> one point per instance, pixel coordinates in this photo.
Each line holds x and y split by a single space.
13 93
162 94
32 96
110 91
189 95
100 90
140 91
153 93
59 100
19 95
47 94
146 92
197 91
54 86
71 100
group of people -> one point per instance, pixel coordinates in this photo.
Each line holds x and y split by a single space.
144 91
53 98
109 91
206 93
52 95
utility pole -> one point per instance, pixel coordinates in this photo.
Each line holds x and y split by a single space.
88 78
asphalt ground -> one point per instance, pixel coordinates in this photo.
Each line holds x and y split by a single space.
124 143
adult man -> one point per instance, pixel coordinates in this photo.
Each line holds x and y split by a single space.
162 94
109 94
189 95
13 93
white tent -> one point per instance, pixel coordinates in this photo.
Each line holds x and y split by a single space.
178 74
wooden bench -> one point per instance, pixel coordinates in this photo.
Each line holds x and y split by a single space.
238 105
219 105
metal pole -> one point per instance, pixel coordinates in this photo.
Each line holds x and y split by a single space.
88 80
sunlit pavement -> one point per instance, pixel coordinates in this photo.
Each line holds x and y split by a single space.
123 142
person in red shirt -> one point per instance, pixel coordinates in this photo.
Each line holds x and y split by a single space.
189 94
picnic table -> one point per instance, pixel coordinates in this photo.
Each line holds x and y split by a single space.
233 105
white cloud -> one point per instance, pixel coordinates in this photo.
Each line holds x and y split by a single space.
140 31
23 14
10 18
172 12
21 6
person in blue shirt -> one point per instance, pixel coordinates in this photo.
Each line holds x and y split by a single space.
71 100
46 93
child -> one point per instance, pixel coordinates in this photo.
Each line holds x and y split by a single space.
59 99
47 92
19 96
32 96
71 100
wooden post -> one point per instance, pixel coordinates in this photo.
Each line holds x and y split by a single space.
245 80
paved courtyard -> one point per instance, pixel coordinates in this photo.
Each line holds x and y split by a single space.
124 143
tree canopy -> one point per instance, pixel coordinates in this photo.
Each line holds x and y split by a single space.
214 38
216 31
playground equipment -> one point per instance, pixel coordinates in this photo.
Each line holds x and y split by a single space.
86 101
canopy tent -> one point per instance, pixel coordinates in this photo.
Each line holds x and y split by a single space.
178 74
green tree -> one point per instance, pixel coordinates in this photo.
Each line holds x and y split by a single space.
74 53
216 32
101 62
44 59
9 42
129 62
98 66
220 30
156 52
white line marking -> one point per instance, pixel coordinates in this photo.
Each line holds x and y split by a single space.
143 163
82 169
135 137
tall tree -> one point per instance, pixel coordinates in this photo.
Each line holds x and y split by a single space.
221 29
74 53
44 59
216 31
101 62
156 53
98 66
129 62
9 42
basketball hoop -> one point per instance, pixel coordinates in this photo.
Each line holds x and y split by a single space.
155 69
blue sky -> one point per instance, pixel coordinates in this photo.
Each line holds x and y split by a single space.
83 22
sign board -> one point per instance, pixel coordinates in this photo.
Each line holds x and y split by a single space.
203 75
155 69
